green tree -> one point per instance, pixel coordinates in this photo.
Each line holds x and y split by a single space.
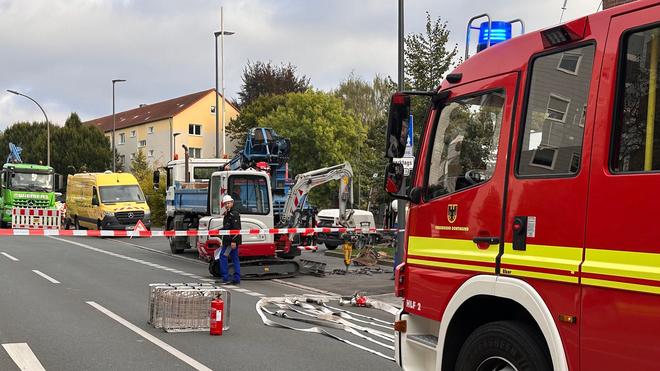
260 78
368 102
74 146
155 197
77 147
428 57
323 133
31 137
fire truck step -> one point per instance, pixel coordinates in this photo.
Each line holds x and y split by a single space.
426 341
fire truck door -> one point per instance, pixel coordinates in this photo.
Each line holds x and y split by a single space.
548 180
455 229
620 324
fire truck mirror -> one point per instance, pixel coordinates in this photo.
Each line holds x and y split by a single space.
398 125
416 195
393 177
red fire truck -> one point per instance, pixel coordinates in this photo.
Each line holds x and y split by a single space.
533 235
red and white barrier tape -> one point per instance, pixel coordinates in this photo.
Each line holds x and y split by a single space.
308 248
188 233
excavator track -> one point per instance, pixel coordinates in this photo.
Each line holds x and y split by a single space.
260 269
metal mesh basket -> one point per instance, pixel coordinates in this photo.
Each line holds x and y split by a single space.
185 307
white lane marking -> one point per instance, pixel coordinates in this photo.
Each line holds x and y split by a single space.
149 264
9 256
230 287
23 357
44 275
254 293
156 341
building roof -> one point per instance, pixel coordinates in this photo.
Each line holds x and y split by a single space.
148 112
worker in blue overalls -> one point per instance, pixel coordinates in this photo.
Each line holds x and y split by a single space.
231 220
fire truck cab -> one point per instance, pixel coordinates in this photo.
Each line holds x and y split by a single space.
533 237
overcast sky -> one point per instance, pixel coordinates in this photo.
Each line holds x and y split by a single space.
64 53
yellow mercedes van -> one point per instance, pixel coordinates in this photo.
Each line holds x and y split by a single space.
105 201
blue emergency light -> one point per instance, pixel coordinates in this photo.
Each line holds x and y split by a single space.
498 31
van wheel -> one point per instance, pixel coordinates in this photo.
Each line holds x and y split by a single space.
99 226
503 345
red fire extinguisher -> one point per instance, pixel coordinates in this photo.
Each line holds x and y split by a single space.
216 314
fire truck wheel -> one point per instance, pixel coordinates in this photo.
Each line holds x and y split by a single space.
503 345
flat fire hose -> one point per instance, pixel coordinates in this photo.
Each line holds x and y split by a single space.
262 311
354 331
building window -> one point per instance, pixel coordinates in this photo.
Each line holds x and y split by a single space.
544 157
122 159
150 153
570 63
213 110
132 133
636 131
142 143
122 138
150 130
557 108
552 131
133 156
195 129
195 152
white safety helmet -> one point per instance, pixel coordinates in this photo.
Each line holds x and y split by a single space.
227 198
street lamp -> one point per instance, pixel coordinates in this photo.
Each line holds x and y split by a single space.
114 156
47 124
220 33
174 144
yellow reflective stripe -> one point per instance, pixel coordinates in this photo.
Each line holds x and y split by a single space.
621 285
463 267
450 249
544 256
539 275
622 263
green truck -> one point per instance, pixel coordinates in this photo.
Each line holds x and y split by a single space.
25 186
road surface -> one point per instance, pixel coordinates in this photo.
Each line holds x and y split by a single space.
81 304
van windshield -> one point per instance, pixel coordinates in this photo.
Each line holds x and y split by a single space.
122 193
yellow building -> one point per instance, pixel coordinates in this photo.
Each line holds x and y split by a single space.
152 128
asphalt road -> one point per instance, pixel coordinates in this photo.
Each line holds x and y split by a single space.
81 304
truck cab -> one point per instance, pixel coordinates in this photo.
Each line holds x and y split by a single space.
530 240
252 196
25 186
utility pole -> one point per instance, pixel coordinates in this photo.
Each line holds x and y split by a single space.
222 34
114 155
401 204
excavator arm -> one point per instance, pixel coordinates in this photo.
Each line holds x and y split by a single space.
305 182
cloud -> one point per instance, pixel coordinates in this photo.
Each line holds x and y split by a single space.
64 53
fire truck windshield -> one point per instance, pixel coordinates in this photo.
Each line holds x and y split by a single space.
465 143
35 182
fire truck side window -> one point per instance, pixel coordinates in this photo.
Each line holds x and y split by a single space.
464 148
556 111
636 135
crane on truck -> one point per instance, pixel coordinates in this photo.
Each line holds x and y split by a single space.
187 181
262 255
26 193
